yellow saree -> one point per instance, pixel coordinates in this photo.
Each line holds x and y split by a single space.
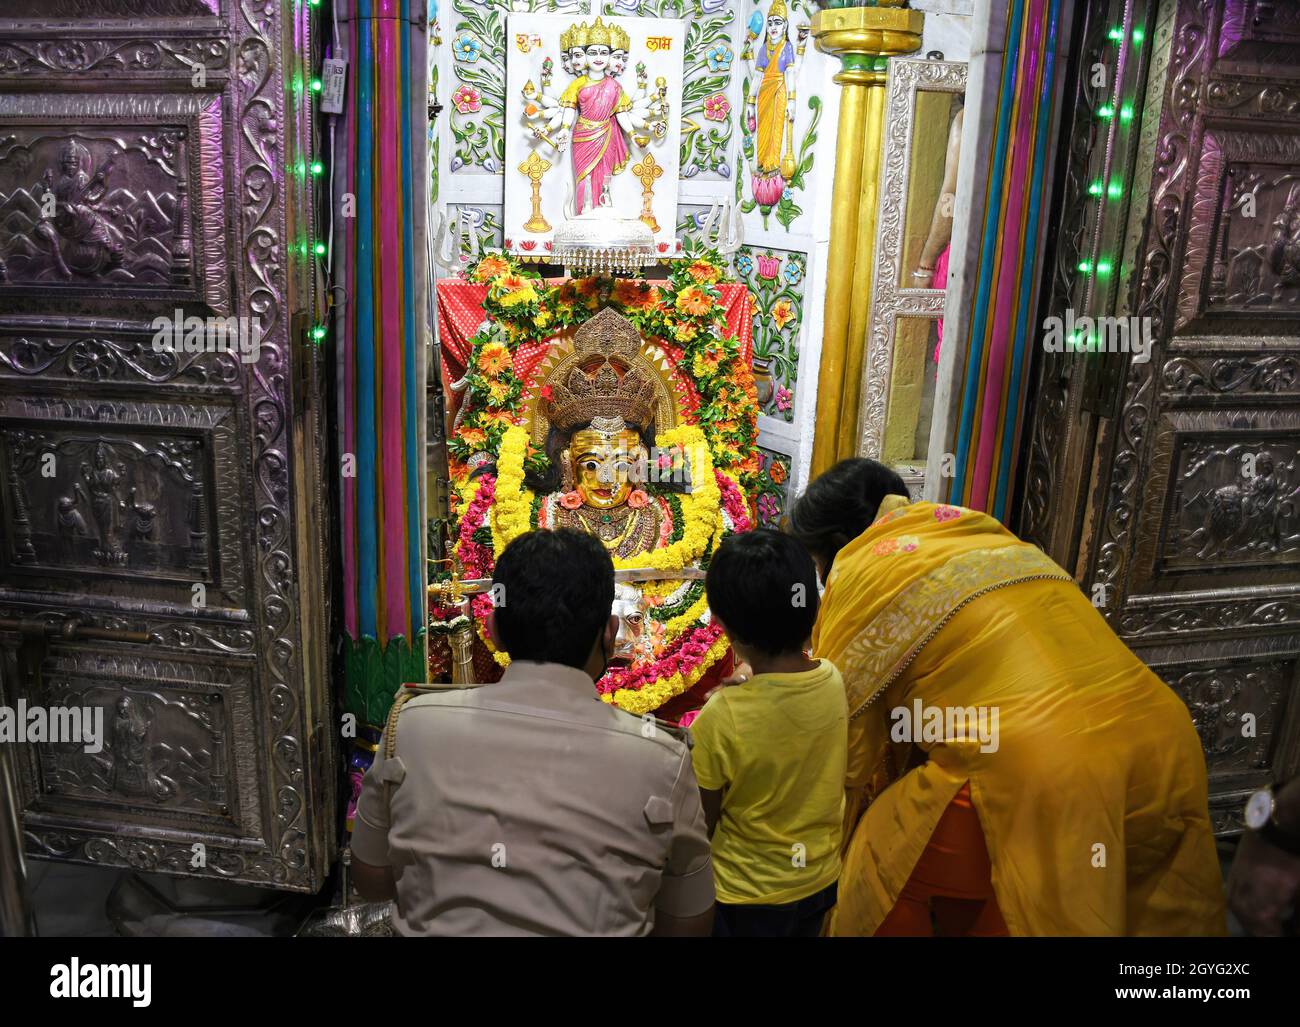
1092 792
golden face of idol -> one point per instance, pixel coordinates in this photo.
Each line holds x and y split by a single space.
603 466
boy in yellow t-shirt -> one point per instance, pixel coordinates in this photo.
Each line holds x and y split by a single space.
770 753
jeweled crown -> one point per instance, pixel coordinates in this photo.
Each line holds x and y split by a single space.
615 387
598 35
576 36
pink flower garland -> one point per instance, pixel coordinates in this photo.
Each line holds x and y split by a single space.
477 559
733 502
687 654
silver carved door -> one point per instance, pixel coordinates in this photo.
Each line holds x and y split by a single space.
1172 486
161 550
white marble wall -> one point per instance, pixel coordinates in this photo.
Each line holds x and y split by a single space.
947 27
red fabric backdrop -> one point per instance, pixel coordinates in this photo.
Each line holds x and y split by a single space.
460 312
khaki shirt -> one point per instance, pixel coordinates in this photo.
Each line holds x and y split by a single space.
531 807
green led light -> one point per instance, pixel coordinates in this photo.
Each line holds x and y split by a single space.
1115 191
1106 112
1126 112
1085 266
315 3
320 249
1095 189
317 167
1138 36
1117 33
316 85
1103 267
318 332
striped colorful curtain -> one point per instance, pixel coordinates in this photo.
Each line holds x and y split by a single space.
379 328
998 324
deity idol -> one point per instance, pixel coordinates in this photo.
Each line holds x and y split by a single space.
597 114
600 426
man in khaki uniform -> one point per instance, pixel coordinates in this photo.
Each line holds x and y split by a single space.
529 806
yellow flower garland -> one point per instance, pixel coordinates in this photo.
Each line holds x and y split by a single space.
512 510
701 510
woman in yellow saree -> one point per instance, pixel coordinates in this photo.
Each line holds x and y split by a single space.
986 691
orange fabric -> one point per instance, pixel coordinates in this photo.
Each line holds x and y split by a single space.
950 892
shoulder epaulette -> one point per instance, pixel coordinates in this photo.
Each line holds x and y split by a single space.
404 695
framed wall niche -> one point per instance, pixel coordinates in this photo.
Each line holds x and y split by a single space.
924 110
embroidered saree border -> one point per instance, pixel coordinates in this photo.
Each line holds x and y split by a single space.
886 647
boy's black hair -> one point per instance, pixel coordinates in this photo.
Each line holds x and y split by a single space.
558 596
754 587
840 505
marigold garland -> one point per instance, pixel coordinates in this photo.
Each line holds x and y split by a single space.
685 317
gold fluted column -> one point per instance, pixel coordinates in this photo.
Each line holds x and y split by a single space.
863 38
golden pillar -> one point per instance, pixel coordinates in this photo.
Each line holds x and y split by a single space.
863 38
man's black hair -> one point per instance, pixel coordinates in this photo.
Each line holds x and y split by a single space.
763 585
558 596
840 505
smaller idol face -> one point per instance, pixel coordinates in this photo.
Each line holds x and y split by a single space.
566 62
597 57
577 60
775 29
606 469
628 607
617 61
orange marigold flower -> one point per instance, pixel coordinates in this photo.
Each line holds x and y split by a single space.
703 272
777 472
493 359
513 290
634 296
473 437
489 267
694 301
684 332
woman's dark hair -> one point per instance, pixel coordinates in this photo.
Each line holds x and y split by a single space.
763 587
840 505
558 591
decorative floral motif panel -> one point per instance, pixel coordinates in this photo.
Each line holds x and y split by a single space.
773 487
776 280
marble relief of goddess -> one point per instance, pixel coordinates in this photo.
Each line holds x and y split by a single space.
774 60
597 118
